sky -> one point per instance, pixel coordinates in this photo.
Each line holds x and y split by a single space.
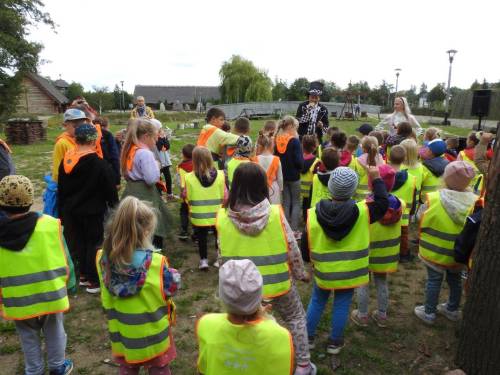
155 42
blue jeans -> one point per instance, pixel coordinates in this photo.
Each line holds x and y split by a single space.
433 287
340 311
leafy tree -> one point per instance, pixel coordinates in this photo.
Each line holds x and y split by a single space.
280 89
485 84
437 94
475 85
117 98
423 90
100 98
331 92
242 81
17 54
411 95
74 90
380 94
298 89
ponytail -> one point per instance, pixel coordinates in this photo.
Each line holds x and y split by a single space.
285 123
135 129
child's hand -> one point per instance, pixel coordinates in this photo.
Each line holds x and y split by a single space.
373 172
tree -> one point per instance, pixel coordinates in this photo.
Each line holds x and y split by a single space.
475 85
74 90
423 90
411 96
100 98
117 98
485 84
298 89
280 89
437 94
242 81
17 54
477 352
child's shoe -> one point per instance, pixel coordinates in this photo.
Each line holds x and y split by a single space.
216 264
423 316
183 235
379 319
334 346
361 321
308 369
454 316
93 288
65 369
84 281
203 264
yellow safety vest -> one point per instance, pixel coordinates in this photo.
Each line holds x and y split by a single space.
418 173
268 250
138 325
262 347
362 190
340 264
306 180
477 182
353 164
406 193
384 245
438 233
319 191
204 202
231 167
430 182
33 280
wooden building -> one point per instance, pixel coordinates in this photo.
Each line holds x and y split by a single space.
40 96
170 95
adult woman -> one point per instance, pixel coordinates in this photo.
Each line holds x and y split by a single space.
402 113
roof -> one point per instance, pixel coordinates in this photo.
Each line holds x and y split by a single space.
49 88
61 83
184 94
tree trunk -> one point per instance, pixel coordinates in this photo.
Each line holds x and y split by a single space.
479 343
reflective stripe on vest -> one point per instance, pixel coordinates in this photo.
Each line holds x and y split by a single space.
406 193
204 202
438 233
268 250
306 181
228 349
384 246
430 182
340 264
319 191
416 172
37 284
231 167
205 134
362 190
138 325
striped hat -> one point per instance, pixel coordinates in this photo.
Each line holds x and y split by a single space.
343 183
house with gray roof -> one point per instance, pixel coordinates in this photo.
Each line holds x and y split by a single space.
39 96
169 95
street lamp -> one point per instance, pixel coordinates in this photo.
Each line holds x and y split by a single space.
397 70
123 98
451 54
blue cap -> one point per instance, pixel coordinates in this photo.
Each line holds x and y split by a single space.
437 147
74 114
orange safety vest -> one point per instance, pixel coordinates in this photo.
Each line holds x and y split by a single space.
130 163
205 135
98 148
6 146
72 157
271 170
282 142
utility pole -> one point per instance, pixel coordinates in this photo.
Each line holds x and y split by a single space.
123 98
451 54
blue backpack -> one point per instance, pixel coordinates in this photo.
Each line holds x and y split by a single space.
50 197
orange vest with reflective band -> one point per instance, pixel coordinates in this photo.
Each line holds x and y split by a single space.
72 157
204 135
282 142
272 170
130 156
98 148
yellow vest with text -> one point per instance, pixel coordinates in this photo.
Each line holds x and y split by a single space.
477 182
268 250
204 202
319 191
231 167
262 347
438 233
384 245
138 325
33 280
406 193
340 264
306 180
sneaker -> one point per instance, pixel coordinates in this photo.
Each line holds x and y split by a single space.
216 264
311 343
423 316
309 369
361 321
93 288
183 235
203 264
379 319
65 369
454 316
84 281
334 347
464 275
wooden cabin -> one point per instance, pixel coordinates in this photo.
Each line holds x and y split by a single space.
39 96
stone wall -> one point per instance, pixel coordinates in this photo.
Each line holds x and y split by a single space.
34 100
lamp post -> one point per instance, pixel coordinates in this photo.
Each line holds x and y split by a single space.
123 98
397 70
451 54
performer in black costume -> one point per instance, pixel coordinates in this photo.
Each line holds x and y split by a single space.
313 116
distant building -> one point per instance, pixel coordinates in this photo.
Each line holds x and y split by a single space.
170 95
39 95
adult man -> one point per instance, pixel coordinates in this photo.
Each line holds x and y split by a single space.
141 109
313 116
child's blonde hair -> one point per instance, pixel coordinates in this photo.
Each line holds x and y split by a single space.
368 142
131 227
432 133
264 141
136 129
411 148
202 161
285 123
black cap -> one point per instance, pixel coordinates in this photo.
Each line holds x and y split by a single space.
365 129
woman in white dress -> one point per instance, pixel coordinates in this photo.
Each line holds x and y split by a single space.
402 113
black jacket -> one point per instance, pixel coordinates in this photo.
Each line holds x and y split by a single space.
292 161
15 233
111 154
465 242
303 119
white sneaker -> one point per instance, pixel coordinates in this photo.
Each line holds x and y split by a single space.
423 316
306 370
216 264
203 264
454 316
93 288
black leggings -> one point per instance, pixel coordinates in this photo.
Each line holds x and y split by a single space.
168 179
184 214
202 236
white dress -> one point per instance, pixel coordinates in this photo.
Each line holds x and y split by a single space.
392 121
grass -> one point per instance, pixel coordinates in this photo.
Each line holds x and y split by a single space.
395 350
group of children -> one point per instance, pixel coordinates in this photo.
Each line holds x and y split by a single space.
357 198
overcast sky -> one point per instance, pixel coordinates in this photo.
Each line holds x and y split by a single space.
172 42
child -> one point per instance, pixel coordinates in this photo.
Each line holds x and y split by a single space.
328 143
137 286
431 134
364 130
412 165
243 150
163 147
338 141
434 164
241 128
340 226
404 189
384 254
369 144
352 146
272 166
109 148
270 128
468 156
250 227
380 139
34 273
227 341
6 164
184 167
289 151
205 192
329 161
404 131
442 218
142 172
451 149
309 146
86 191
213 137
